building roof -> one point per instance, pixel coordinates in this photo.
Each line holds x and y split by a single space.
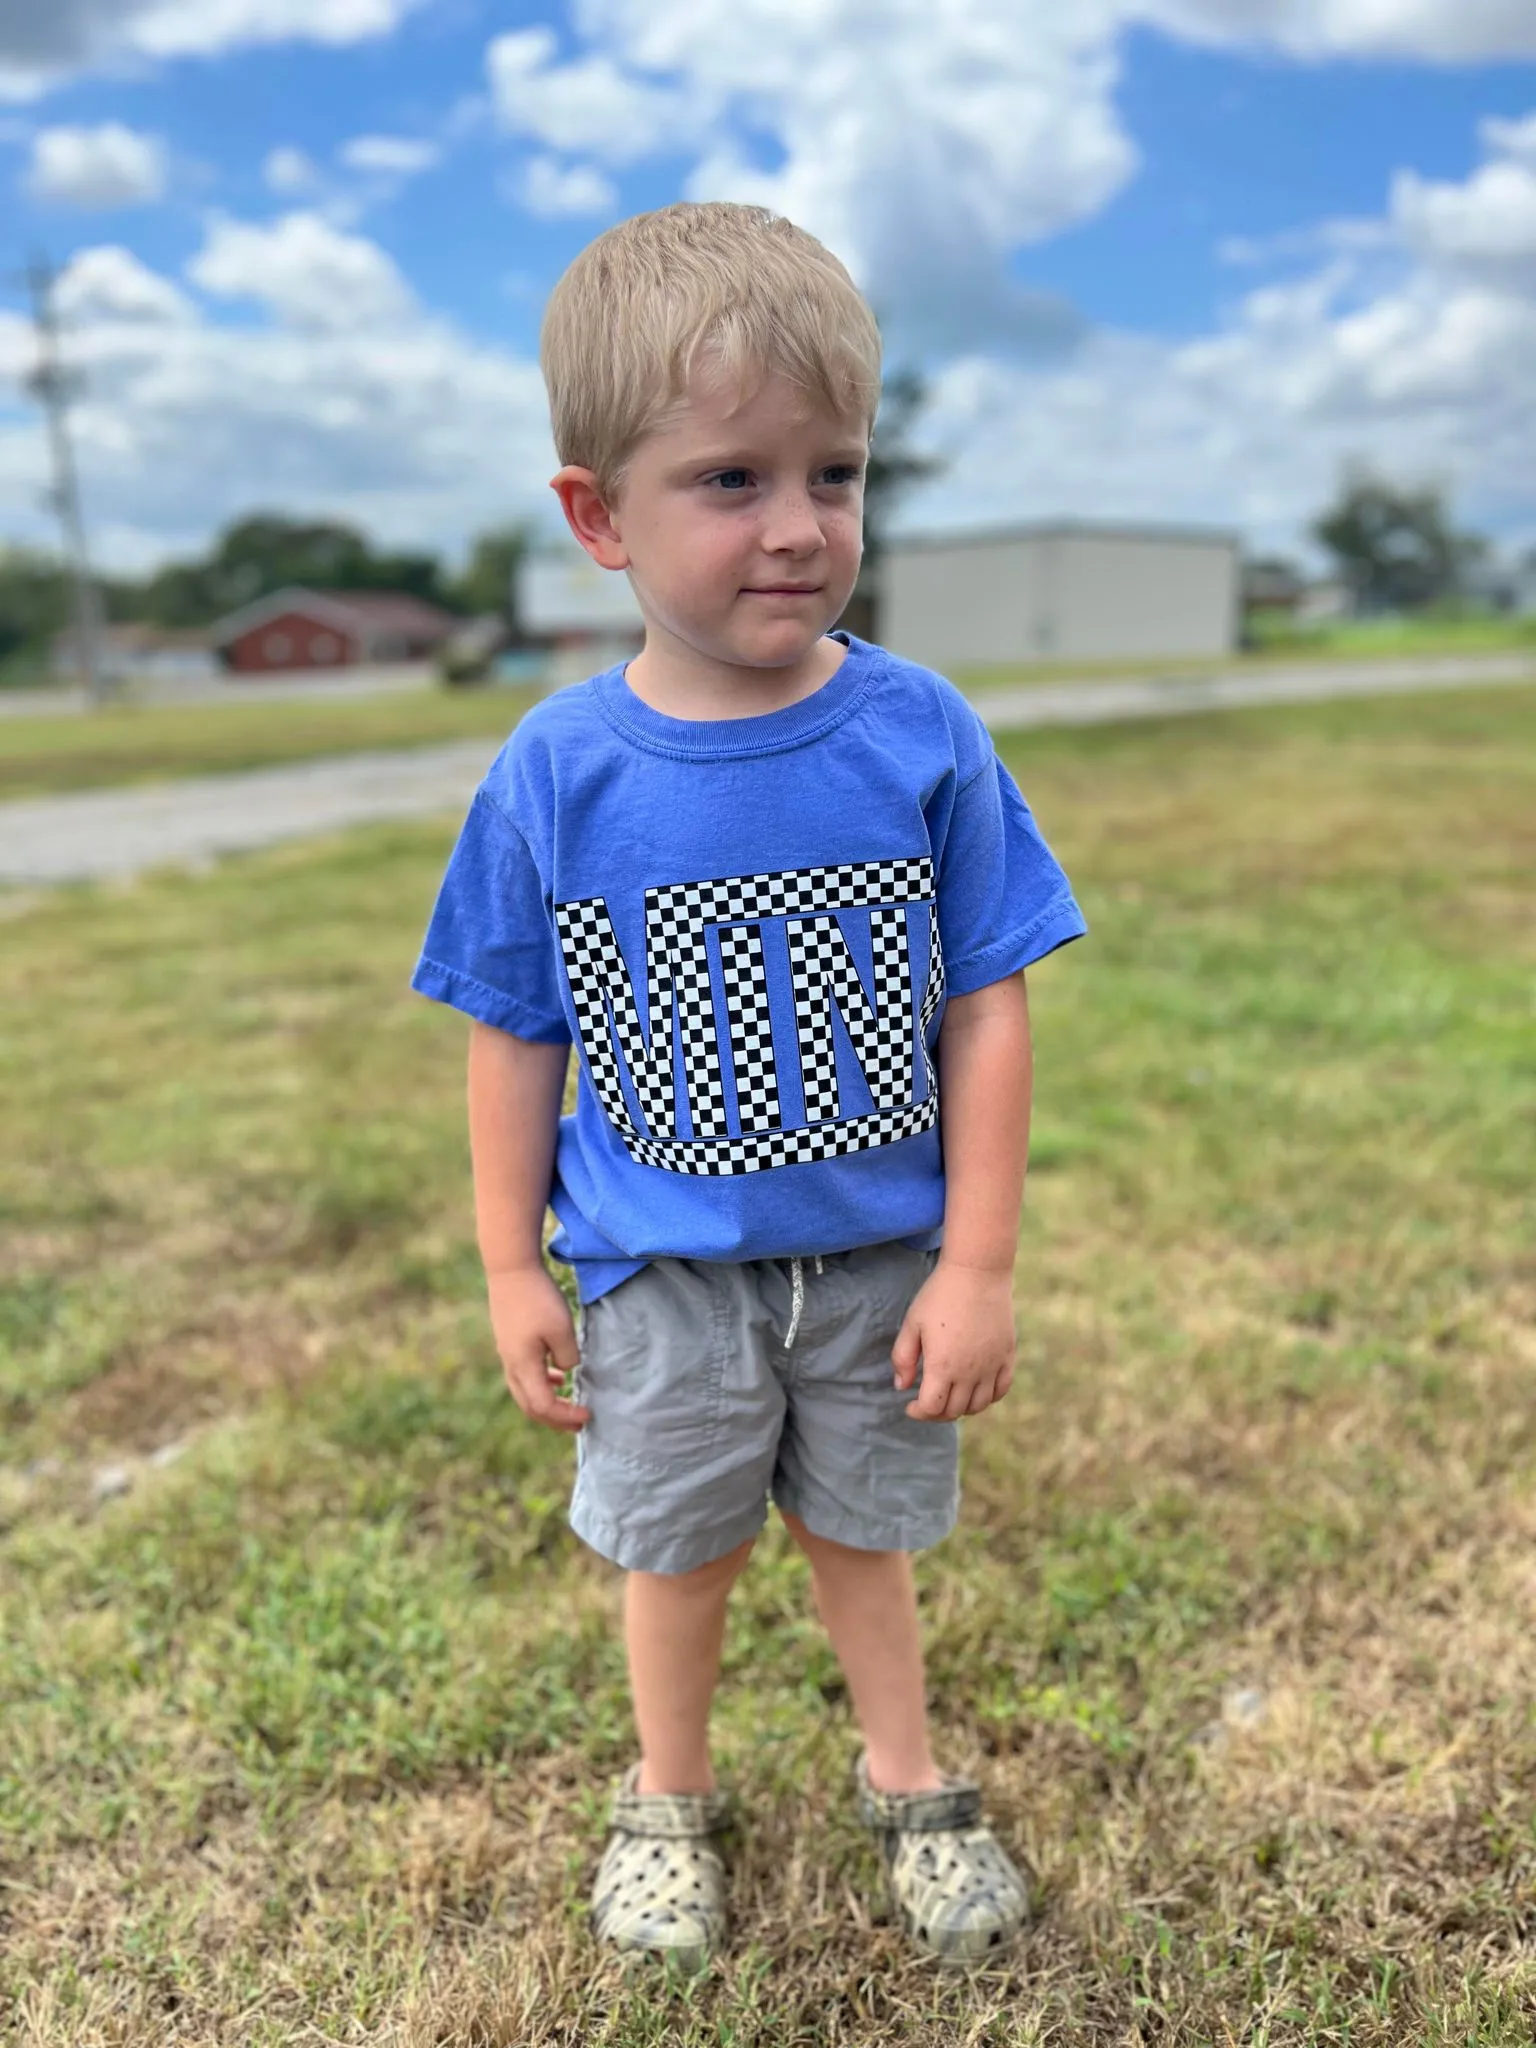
1063 529
348 611
394 610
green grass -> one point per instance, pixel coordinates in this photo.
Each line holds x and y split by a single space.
306 1735
1371 639
1283 645
128 743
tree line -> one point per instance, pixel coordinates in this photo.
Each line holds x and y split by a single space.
1396 548
253 556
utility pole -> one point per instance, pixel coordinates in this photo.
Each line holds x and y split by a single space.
52 386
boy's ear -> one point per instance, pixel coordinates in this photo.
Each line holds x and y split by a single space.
588 517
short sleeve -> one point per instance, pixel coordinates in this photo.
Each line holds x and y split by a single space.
1004 902
490 947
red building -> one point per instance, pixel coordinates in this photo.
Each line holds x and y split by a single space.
307 629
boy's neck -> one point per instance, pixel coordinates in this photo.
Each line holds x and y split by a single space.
680 682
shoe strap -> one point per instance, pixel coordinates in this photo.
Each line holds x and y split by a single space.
668 1816
956 1805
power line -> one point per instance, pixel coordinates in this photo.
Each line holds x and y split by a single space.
53 386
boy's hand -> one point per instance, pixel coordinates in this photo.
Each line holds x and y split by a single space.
537 1342
960 1325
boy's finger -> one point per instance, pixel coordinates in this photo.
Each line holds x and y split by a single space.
930 1403
906 1352
958 1402
983 1394
559 1414
562 1346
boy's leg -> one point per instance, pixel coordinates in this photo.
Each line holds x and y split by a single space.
868 1605
674 1626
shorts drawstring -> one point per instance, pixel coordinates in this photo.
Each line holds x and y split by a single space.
796 1297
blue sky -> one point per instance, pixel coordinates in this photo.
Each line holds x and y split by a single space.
1160 258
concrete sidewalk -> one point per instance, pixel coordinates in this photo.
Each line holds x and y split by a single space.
99 834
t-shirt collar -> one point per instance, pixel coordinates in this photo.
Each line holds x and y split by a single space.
720 738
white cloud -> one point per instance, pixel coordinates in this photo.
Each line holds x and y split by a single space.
1413 345
304 270
110 283
927 143
289 172
395 420
40 45
1516 139
97 168
1446 31
1485 228
590 104
396 156
923 143
551 190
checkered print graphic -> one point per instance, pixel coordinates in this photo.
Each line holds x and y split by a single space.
680 1010
595 969
823 972
788 1148
796 892
746 1005
678 956
933 994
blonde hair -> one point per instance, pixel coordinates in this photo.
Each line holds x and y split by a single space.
731 292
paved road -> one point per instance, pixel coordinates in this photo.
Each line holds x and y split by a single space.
103 833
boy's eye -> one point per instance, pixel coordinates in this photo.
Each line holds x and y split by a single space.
732 479
841 473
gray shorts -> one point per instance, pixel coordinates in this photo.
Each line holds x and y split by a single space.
700 1415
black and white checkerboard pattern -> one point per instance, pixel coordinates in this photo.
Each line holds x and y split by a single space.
795 892
677 964
745 976
595 969
823 972
787 1148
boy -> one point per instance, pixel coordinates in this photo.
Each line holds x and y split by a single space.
775 886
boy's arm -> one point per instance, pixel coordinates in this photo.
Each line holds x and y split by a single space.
961 1322
515 1087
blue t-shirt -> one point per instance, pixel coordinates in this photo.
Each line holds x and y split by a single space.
749 928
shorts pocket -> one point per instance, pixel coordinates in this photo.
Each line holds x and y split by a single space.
653 1368
888 1284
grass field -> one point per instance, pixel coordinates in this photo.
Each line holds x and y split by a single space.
306 1732
129 743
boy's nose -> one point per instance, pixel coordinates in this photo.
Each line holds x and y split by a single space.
792 526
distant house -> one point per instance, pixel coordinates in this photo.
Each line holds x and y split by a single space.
1271 586
306 629
139 653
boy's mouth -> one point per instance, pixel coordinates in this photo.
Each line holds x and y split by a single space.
782 590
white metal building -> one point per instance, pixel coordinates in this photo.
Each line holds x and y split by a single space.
587 615
1064 592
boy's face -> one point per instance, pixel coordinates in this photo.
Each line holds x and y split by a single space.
741 525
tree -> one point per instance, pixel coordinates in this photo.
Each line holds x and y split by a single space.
1394 546
894 465
487 583
34 600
